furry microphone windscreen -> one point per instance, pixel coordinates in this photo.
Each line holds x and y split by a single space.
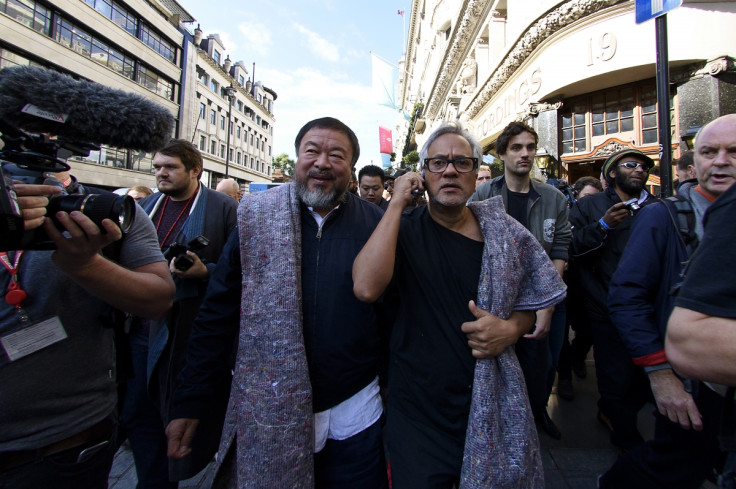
39 100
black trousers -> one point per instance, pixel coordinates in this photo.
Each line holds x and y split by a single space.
622 386
676 458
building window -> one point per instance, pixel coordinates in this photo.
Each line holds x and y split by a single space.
222 151
251 140
202 110
269 150
628 112
202 143
213 117
222 122
237 132
239 157
155 82
157 43
203 78
649 115
214 86
124 19
216 56
28 13
240 106
230 155
251 162
241 80
213 148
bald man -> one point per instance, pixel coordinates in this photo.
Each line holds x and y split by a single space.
231 188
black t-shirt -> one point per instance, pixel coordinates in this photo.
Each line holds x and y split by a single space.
431 371
710 287
518 204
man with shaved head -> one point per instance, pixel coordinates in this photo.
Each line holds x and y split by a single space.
230 187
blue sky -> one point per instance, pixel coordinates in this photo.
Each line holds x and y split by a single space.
315 54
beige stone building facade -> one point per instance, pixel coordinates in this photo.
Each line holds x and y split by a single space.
581 72
146 47
220 90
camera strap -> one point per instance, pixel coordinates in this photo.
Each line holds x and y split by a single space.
176 221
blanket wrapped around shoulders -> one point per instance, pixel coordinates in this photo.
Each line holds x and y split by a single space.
501 443
270 408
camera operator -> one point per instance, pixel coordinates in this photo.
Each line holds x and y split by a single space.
57 367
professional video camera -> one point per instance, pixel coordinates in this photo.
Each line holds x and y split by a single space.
31 159
71 117
178 252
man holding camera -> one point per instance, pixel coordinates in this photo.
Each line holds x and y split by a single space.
57 365
192 223
601 225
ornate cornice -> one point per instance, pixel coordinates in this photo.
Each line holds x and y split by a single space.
471 18
554 20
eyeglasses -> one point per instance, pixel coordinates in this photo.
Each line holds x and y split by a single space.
631 165
462 164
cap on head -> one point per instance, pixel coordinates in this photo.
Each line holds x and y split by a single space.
618 156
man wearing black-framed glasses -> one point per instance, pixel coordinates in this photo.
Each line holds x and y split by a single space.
542 209
601 226
463 280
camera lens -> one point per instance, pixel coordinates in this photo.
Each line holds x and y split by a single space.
119 209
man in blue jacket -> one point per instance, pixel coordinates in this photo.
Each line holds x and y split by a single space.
640 301
183 209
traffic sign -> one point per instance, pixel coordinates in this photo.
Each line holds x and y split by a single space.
649 9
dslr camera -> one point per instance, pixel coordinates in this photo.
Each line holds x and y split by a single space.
178 252
632 205
30 159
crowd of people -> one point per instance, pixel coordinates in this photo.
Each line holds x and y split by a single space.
319 335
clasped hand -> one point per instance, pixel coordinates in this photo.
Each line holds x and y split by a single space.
488 336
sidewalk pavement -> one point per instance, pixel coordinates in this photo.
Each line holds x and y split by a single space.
574 462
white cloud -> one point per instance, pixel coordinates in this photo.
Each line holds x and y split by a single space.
257 36
308 93
319 46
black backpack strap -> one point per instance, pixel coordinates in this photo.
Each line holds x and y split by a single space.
685 222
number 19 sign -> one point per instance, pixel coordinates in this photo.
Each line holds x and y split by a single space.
649 9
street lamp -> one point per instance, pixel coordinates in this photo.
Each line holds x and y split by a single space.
544 162
230 93
689 137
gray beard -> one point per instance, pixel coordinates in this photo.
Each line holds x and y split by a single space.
318 199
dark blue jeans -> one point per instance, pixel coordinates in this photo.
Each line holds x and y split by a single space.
142 421
65 470
358 462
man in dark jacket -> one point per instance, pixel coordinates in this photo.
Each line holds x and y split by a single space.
684 448
542 209
601 225
183 209
305 402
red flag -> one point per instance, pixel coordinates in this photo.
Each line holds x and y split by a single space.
387 144
400 12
